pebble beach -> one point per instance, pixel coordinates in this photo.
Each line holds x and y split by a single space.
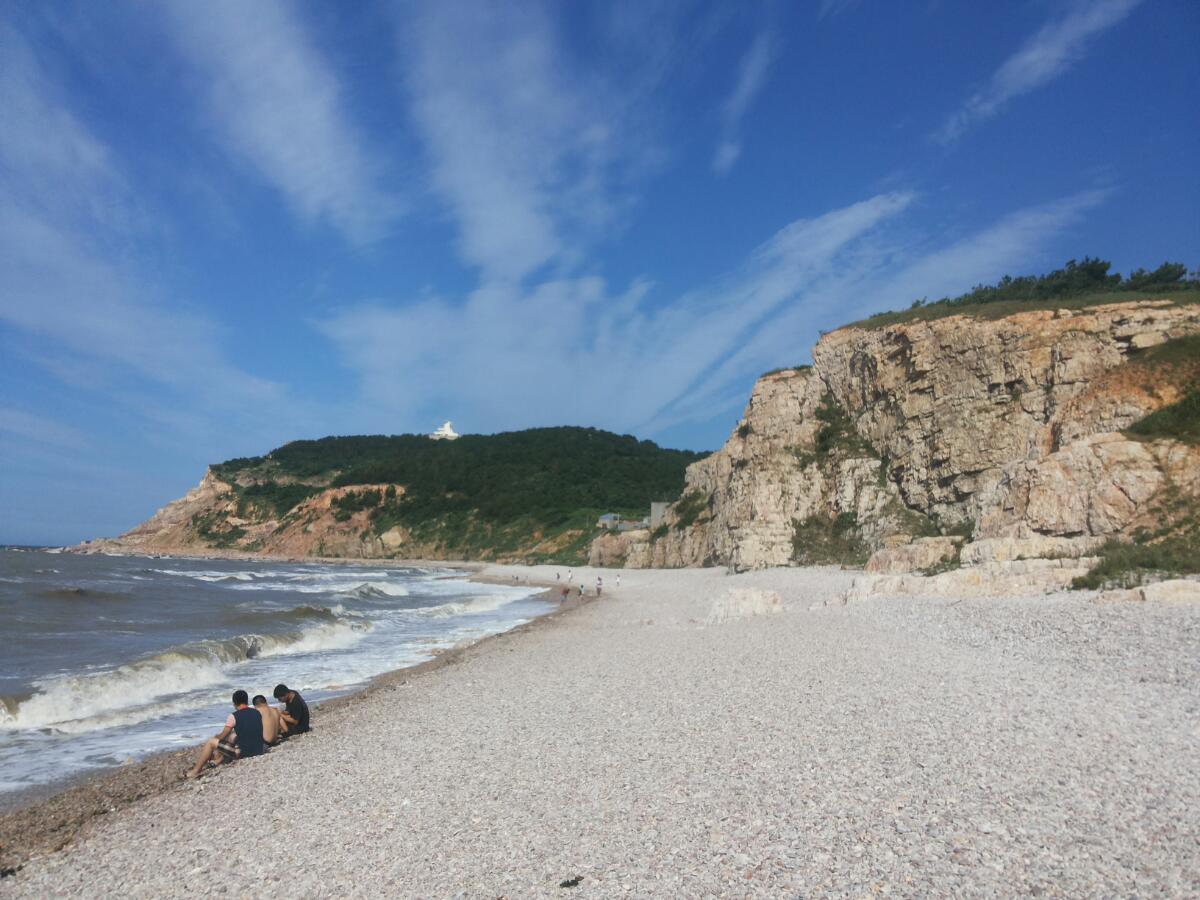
657 742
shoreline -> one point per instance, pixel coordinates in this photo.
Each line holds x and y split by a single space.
46 818
707 734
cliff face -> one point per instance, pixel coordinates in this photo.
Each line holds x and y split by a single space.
329 523
209 517
771 473
952 401
956 424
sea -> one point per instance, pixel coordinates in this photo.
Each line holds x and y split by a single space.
105 659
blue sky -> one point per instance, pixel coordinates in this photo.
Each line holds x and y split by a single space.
226 225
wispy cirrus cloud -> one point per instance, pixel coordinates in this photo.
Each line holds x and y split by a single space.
752 75
1042 58
276 104
571 350
522 144
69 293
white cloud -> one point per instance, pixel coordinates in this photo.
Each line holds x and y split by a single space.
521 146
1012 246
752 75
568 350
64 298
276 104
1043 57
44 147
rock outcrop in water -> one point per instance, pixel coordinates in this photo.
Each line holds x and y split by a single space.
1004 431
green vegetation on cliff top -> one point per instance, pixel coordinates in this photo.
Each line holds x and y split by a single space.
1075 286
480 494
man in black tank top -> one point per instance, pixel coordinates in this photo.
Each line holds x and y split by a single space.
241 736
248 725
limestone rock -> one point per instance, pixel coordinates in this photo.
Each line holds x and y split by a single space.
950 402
994 579
924 553
766 478
740 603
613 550
1176 590
1104 484
1009 425
394 538
1036 546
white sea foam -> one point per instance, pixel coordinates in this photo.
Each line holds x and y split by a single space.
370 589
80 702
472 605
76 699
358 589
209 576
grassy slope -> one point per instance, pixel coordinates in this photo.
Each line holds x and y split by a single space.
1179 362
1173 548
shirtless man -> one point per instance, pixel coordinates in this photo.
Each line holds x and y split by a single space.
270 717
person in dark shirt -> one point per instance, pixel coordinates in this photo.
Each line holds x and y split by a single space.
295 711
241 736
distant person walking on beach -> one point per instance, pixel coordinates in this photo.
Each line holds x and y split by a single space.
242 736
599 585
295 711
568 576
618 581
566 593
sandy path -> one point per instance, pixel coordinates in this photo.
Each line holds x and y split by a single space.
926 748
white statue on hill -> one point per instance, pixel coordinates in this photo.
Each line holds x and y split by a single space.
445 433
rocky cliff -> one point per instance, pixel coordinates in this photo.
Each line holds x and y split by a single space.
994 430
211 517
337 522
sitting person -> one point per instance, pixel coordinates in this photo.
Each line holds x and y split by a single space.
294 716
272 726
241 736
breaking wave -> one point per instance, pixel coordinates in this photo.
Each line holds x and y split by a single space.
297 615
205 576
478 604
372 590
82 702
